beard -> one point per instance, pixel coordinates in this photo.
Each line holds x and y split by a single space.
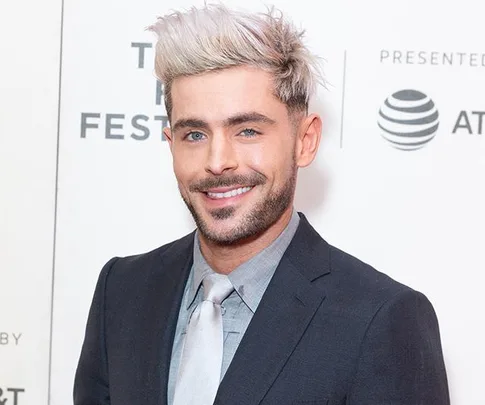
262 216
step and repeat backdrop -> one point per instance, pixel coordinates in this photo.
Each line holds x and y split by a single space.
399 180
29 89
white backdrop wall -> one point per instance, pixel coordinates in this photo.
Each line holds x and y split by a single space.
29 87
416 215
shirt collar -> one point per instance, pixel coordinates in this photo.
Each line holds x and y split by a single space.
252 277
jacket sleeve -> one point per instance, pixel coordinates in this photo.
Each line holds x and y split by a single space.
401 360
91 383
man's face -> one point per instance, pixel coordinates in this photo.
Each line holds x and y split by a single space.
233 147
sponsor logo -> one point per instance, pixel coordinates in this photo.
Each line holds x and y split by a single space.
11 396
408 120
470 122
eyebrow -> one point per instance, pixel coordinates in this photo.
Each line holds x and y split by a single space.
189 123
248 117
228 122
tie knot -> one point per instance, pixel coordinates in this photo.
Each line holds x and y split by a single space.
217 287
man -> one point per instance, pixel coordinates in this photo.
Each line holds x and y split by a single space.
254 307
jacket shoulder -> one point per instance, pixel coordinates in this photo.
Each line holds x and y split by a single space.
358 286
130 267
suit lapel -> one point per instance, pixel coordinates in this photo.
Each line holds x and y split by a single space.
284 313
163 300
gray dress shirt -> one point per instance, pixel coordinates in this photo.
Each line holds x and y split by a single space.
250 281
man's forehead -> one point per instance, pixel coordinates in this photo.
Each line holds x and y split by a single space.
220 98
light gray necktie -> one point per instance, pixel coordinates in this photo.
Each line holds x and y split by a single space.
200 366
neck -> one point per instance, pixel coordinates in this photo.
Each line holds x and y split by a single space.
224 259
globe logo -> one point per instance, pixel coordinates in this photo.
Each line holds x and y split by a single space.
408 119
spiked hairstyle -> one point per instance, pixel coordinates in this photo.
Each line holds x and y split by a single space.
215 37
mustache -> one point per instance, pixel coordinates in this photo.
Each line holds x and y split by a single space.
203 185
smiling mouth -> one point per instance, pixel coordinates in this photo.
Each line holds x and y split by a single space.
228 194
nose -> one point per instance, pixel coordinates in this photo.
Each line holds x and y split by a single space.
221 155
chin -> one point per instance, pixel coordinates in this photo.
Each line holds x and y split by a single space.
231 222
223 226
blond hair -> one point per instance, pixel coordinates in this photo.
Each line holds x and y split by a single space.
215 37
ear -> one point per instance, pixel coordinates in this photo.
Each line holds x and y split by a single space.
168 135
309 135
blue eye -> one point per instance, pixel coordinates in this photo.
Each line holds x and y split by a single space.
249 132
195 136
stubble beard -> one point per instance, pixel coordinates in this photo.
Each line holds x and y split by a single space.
263 215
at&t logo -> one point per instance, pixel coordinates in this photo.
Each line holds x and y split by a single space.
408 120
11 396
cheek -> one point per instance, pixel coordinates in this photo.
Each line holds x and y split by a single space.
272 158
186 164
182 172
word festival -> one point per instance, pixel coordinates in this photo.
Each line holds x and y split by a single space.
119 126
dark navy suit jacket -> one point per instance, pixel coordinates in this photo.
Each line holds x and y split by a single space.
329 330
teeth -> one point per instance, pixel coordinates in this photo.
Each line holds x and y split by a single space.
231 193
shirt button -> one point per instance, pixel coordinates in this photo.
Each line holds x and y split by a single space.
223 310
